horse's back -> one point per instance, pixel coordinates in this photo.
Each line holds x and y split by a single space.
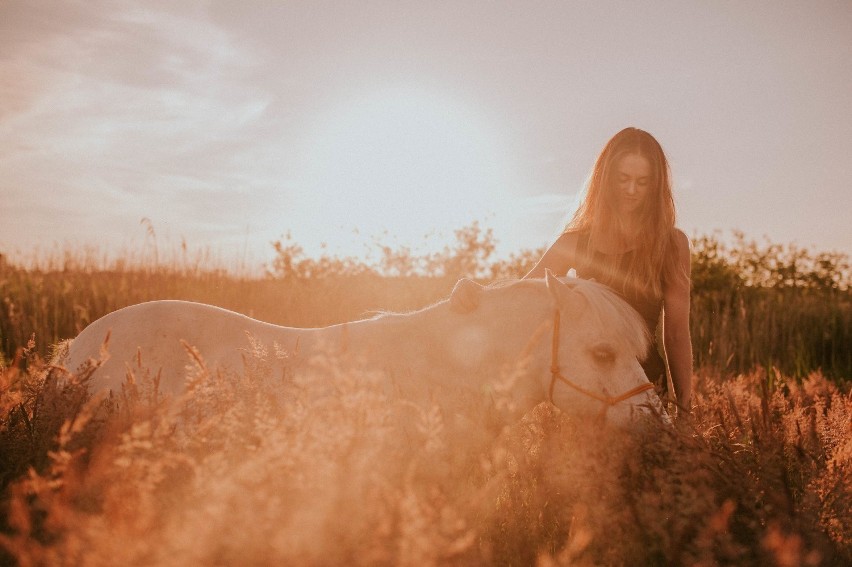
151 336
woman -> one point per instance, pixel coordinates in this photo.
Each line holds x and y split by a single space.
623 235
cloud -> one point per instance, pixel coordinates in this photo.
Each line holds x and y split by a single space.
18 89
138 90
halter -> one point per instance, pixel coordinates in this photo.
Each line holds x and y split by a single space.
608 401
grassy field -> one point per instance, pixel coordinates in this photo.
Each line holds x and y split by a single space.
247 473
752 306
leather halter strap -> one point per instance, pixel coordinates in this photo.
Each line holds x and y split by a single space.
555 375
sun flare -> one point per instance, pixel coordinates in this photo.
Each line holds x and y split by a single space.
401 162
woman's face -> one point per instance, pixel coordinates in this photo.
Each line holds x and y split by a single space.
632 181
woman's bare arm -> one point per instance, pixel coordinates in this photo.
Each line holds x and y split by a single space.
560 257
678 343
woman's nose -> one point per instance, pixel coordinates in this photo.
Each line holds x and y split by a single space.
631 188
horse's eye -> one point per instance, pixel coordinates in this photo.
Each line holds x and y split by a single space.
603 354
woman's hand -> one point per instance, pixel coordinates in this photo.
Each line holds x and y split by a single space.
465 296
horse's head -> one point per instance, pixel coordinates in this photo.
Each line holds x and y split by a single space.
598 340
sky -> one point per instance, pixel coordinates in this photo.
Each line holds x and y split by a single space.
227 125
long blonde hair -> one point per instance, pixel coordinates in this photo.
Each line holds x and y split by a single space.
654 259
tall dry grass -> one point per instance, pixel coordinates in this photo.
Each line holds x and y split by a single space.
768 305
250 470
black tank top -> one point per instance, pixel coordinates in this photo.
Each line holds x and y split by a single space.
648 305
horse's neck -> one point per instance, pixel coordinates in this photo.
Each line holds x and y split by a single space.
501 324
520 308
517 320
506 321
436 354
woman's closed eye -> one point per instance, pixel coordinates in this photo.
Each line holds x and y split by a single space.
642 181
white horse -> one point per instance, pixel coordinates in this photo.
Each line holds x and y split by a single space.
570 341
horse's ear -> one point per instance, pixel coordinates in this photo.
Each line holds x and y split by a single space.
564 296
556 288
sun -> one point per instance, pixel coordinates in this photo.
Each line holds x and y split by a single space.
402 162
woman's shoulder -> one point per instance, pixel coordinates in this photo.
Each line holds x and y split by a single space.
573 235
679 258
679 241
561 255
568 240
570 234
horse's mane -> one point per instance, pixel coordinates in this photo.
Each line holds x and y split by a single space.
608 309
